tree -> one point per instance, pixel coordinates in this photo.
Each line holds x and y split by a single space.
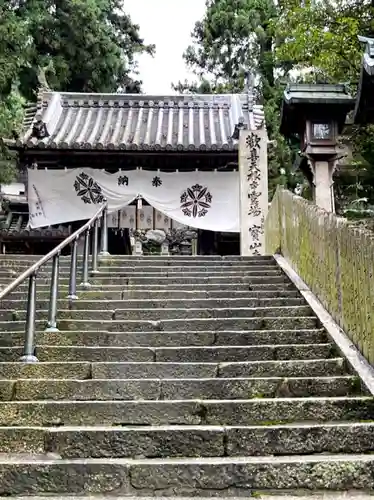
14 50
14 46
91 43
322 37
234 37
320 41
282 41
87 46
11 115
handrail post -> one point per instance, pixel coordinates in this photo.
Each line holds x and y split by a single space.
104 233
73 271
52 314
28 352
86 255
31 275
95 247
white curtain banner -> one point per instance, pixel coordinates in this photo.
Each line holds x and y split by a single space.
203 200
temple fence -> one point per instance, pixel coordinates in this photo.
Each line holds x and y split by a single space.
334 258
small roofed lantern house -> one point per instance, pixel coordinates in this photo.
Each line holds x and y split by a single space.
165 164
364 110
314 116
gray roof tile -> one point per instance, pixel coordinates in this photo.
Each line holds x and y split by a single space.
368 57
317 93
364 109
15 225
140 122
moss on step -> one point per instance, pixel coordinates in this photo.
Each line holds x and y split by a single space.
16 316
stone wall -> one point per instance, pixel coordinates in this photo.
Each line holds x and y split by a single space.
334 258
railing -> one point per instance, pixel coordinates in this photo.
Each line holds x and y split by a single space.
334 258
31 275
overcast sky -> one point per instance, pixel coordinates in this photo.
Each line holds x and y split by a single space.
167 24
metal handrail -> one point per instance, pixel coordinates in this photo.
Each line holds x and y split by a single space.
31 275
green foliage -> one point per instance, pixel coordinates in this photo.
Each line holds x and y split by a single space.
233 37
97 58
322 37
14 50
319 41
11 115
236 37
85 46
282 41
14 46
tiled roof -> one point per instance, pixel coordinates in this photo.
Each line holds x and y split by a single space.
138 122
364 110
14 225
368 57
316 94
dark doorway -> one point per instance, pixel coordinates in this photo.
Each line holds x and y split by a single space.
119 242
217 243
118 239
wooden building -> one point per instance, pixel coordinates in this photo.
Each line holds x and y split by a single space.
123 132
15 235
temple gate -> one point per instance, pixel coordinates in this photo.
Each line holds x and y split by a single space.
90 143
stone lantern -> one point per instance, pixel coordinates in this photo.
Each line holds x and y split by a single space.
314 116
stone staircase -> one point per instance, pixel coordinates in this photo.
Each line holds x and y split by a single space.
182 376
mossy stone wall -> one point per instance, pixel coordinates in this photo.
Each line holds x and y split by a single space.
334 258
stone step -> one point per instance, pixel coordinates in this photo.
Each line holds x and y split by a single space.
85 370
265 495
170 355
197 354
153 314
196 280
171 389
188 441
154 260
201 303
187 412
283 368
164 287
138 273
286 368
64 270
169 339
228 312
213 324
64 265
159 259
198 477
227 289
123 293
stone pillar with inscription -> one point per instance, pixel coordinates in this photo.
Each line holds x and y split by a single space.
253 178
